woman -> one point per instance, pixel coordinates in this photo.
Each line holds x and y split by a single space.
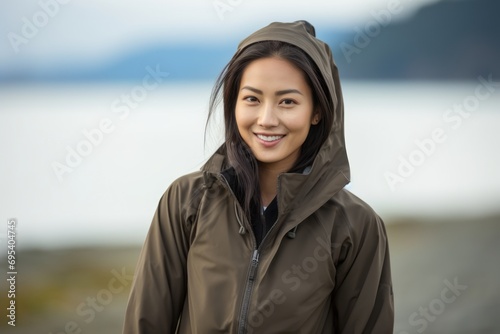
265 239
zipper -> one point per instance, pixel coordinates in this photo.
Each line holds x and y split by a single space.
254 263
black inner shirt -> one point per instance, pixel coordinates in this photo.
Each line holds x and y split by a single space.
261 228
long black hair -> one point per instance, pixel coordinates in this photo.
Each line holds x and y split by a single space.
238 153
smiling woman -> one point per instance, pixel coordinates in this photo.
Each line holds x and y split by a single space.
267 221
286 72
274 119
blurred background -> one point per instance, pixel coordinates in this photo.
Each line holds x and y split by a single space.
103 104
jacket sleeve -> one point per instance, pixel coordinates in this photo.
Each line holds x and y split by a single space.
363 298
159 287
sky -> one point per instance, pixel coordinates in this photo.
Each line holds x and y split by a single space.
68 30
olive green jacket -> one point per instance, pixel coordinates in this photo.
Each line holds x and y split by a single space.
322 268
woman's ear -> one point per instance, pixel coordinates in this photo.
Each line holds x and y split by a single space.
316 118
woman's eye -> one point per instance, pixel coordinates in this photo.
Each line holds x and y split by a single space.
251 99
288 102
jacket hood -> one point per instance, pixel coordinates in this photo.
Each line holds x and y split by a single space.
330 170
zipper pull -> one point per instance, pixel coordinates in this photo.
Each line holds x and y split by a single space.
255 263
255 257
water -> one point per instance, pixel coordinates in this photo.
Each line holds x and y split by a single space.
109 194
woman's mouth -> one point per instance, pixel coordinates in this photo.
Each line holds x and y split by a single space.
269 141
270 138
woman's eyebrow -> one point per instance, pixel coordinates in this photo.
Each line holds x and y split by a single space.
278 93
287 91
255 90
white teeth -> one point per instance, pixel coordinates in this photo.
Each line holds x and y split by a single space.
269 138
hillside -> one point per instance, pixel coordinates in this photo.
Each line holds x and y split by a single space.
454 39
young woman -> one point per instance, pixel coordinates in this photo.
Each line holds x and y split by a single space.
265 239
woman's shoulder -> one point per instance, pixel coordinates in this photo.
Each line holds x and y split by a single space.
187 191
186 183
356 213
352 203
184 194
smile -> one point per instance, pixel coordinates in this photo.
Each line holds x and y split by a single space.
269 138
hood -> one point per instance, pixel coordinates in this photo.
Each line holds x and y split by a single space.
330 170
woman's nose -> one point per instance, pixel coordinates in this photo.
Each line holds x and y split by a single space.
267 116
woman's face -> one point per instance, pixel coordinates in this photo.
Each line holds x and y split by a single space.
274 111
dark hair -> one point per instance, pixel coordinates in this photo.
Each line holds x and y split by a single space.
237 151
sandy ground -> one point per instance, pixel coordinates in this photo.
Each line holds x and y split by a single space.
429 258
446 277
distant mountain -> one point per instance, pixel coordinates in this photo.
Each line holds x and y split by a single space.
181 62
448 40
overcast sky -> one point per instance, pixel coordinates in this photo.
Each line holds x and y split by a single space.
96 29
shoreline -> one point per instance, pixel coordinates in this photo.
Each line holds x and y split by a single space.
427 257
